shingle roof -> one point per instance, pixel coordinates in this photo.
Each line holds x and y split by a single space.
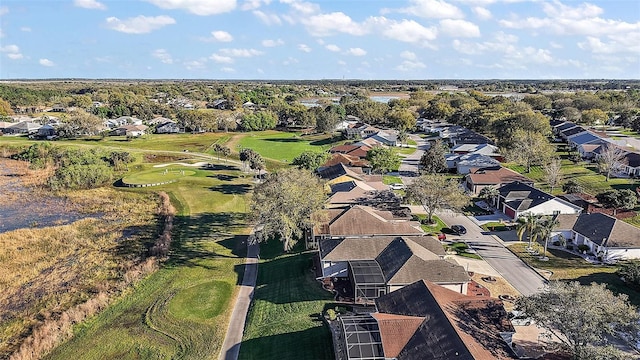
345 159
339 169
496 177
584 138
363 220
565 221
368 248
396 331
564 126
633 159
455 326
608 231
573 131
521 196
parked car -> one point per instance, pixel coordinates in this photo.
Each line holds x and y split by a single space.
458 229
397 186
442 237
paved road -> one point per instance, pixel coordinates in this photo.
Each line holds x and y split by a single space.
231 344
510 267
409 166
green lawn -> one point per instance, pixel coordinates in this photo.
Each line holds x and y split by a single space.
461 250
431 229
284 146
390 179
283 322
159 175
566 266
405 150
182 310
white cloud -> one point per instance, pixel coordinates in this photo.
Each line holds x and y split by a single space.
1 33
409 65
89 4
304 47
12 51
267 19
139 24
254 4
4 10
459 28
357 52
482 13
630 43
290 60
272 43
195 64
342 63
25 29
408 55
555 45
411 32
221 59
227 69
46 62
162 55
221 36
332 47
301 7
240 52
333 23
500 43
197 7
559 10
437 9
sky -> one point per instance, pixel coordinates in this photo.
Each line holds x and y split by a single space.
322 39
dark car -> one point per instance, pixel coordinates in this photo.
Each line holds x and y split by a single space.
458 229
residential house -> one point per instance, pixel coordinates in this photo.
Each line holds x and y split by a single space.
379 265
469 137
589 151
354 150
479 178
630 164
558 129
340 173
4 125
220 104
46 132
58 108
122 121
169 127
605 236
356 192
464 163
249 106
23 127
130 130
362 221
345 159
360 130
583 138
386 137
424 321
518 198
571 132
482 149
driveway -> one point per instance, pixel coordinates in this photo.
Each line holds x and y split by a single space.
510 267
409 165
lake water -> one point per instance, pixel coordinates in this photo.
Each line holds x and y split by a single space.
314 102
21 207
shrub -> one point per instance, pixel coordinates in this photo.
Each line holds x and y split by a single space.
331 314
556 243
583 247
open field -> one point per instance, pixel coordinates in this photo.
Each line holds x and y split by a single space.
282 146
284 321
565 266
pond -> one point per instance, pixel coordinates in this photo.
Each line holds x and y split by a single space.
22 206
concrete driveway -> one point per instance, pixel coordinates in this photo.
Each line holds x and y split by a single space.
510 267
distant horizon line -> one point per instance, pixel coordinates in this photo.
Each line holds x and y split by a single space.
317 80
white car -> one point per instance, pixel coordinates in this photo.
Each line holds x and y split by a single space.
397 186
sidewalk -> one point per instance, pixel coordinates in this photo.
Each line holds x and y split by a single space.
231 344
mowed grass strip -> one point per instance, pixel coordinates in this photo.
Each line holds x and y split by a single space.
566 266
284 146
182 310
283 322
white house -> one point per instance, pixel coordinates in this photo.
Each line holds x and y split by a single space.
517 198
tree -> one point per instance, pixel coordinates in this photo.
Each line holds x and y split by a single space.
489 193
402 119
310 160
245 156
436 192
287 203
526 223
572 187
383 159
618 199
586 316
79 123
256 162
5 108
610 160
433 160
402 137
593 117
529 148
630 271
221 149
553 173
543 228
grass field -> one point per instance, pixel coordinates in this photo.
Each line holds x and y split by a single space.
182 310
283 322
283 146
566 266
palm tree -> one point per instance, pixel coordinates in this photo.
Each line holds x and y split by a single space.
526 223
489 193
543 229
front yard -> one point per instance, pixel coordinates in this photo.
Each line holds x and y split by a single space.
566 266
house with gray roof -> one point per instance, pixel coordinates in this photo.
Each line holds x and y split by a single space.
606 237
464 163
583 138
380 265
424 321
517 198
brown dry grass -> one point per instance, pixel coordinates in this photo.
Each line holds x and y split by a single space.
44 272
